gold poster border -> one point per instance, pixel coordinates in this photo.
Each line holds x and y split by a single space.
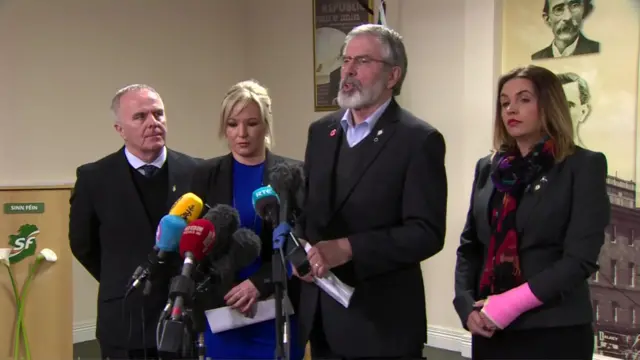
637 179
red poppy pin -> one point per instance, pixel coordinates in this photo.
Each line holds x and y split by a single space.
333 132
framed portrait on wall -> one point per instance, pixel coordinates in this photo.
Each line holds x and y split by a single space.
332 21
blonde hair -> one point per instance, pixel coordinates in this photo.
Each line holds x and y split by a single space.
553 110
241 94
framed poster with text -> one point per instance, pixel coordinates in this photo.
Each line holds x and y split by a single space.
332 21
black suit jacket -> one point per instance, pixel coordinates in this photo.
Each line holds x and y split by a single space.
213 183
561 220
585 46
111 235
394 216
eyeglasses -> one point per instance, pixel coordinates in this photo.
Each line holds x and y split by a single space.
574 6
361 60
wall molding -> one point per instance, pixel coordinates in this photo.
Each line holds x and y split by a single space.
455 340
439 337
84 331
458 340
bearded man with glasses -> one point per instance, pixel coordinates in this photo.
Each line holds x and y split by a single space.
375 207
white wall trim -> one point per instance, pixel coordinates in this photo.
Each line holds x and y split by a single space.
439 337
458 340
84 331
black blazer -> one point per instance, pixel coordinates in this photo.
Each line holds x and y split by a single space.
213 183
561 220
394 216
585 46
110 234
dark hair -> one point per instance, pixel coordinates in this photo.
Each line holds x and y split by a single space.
583 86
588 8
552 106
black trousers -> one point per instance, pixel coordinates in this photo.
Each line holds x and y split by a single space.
559 343
321 350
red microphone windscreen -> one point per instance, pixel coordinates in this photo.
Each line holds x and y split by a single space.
197 238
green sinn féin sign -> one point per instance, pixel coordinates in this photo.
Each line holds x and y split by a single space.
23 244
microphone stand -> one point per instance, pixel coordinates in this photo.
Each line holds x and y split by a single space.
198 322
174 335
279 281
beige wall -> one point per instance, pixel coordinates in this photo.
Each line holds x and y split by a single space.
63 62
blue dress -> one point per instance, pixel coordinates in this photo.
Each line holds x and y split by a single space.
256 341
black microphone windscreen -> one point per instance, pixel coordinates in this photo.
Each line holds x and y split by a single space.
226 221
246 247
281 177
299 185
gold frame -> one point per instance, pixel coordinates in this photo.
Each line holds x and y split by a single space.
637 179
319 108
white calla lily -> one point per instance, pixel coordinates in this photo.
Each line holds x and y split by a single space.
4 255
48 255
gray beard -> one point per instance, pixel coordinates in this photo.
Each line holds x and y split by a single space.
360 98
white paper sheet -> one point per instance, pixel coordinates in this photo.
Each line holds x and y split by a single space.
333 286
226 318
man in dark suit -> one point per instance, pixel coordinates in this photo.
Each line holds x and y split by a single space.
375 207
565 18
116 205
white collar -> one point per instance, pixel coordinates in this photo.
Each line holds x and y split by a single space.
567 52
136 162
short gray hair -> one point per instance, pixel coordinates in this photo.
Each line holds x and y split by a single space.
393 50
115 102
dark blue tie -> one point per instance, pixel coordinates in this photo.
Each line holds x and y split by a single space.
148 170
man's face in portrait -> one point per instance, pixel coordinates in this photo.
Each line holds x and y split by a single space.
565 19
579 111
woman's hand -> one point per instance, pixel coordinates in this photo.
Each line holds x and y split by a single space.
486 321
242 297
477 325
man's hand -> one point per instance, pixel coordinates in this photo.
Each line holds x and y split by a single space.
477 325
242 297
328 254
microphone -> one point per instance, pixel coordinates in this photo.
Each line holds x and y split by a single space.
226 221
284 179
266 203
188 206
196 242
244 248
167 239
272 203
297 191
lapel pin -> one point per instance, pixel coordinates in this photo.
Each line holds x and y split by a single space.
375 139
379 132
173 188
543 179
537 187
333 132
